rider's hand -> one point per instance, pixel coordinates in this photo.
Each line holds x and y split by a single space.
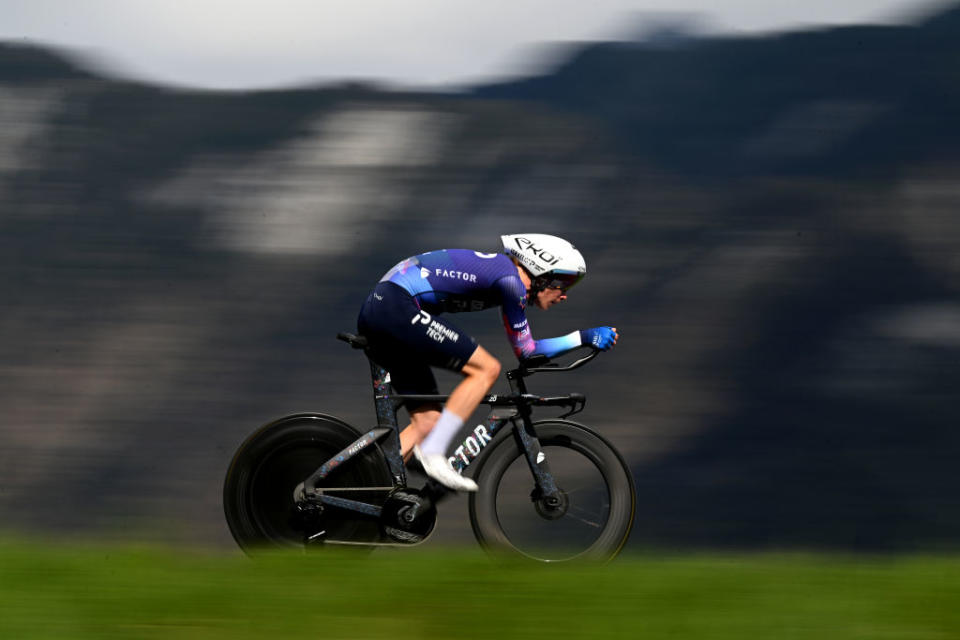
599 337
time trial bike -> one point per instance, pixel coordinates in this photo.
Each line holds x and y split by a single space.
550 490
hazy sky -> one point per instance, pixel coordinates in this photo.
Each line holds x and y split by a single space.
269 43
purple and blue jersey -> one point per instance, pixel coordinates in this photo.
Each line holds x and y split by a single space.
457 280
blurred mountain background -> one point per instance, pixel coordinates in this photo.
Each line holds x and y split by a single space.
772 222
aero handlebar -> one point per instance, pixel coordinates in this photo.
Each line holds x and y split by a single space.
541 364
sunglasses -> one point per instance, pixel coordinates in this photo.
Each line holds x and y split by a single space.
562 280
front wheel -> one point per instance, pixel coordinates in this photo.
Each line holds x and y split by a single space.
594 516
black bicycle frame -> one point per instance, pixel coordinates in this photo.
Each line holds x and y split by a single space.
505 409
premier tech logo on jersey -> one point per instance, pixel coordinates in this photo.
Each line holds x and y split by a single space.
526 245
435 331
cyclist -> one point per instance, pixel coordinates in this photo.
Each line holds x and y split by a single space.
406 336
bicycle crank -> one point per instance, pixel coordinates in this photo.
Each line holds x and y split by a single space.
408 516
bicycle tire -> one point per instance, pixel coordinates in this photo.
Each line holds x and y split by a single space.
505 517
258 491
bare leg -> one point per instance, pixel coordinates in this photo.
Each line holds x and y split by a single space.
422 421
480 373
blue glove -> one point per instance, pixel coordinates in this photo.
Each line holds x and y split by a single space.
599 337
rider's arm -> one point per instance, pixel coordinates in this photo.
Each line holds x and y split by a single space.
518 328
551 347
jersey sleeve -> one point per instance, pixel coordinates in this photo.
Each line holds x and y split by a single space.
518 328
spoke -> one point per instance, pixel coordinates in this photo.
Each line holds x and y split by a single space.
592 488
582 518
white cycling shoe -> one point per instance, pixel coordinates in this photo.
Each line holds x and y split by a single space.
439 468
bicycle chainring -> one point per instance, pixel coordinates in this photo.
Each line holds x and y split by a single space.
408 516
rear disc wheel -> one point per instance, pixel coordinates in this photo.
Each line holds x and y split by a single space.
258 493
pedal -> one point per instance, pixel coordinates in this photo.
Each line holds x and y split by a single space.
434 491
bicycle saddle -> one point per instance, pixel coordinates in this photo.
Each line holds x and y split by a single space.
357 342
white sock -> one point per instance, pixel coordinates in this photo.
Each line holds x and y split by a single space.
439 438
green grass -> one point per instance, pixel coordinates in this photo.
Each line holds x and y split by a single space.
126 592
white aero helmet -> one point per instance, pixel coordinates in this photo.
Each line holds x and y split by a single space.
553 262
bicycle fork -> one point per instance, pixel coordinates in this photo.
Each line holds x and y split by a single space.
546 493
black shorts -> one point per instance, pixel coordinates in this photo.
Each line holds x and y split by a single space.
407 341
